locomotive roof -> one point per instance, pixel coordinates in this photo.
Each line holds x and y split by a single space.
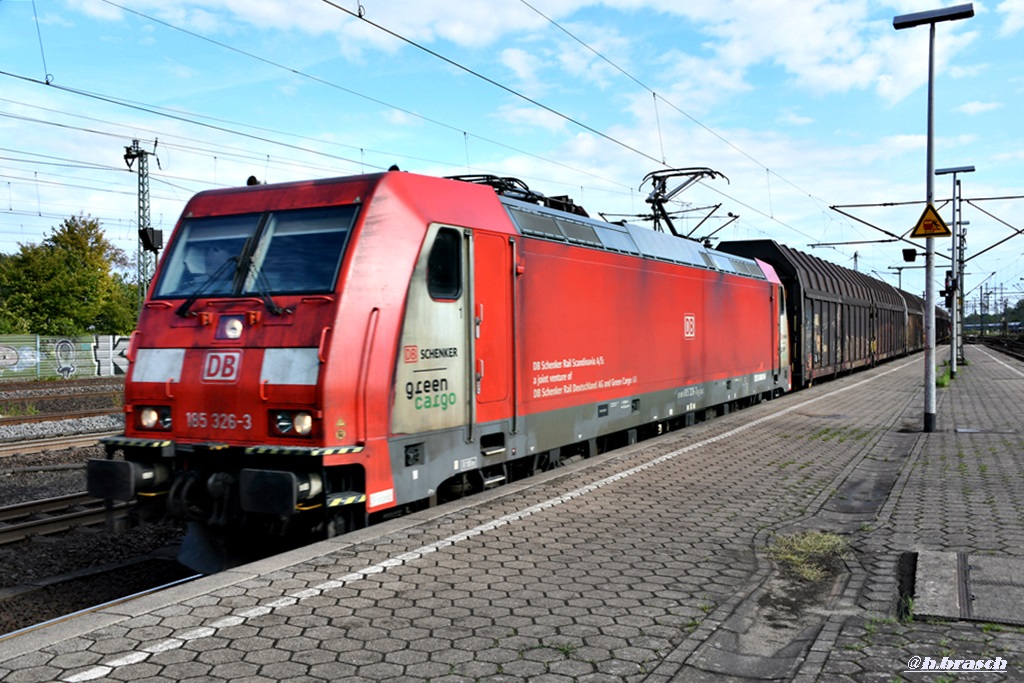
625 238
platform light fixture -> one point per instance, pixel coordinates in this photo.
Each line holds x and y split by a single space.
903 21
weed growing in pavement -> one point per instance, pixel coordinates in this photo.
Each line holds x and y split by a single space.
825 434
906 608
809 555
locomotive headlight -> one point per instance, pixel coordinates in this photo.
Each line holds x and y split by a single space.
149 418
230 327
303 423
155 418
298 423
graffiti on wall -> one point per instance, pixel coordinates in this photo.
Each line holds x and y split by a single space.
33 357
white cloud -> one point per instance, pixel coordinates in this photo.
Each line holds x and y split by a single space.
1017 155
972 108
1014 16
394 117
96 9
523 64
968 71
529 115
794 119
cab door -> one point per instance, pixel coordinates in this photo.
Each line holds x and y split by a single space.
433 382
492 325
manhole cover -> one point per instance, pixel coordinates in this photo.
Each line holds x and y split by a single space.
976 587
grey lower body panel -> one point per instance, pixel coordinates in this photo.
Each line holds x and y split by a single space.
422 463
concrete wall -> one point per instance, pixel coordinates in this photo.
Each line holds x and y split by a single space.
28 357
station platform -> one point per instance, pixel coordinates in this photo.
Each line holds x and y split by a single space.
649 563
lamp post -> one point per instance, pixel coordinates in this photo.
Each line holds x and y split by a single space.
961 248
954 281
903 21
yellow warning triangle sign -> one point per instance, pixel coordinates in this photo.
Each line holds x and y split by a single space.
930 224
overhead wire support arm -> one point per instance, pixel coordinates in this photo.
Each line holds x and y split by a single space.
1017 231
895 237
842 244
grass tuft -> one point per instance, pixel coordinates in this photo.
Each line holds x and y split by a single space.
809 555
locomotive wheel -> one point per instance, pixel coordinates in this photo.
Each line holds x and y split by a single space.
343 521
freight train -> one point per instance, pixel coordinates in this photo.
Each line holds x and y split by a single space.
316 356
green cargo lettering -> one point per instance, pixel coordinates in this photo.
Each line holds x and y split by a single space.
427 394
441 401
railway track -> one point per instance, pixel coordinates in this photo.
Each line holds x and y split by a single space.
23 446
23 403
1010 346
49 417
55 515
60 385
162 575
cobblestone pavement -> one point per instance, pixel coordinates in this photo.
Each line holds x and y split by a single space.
963 491
647 564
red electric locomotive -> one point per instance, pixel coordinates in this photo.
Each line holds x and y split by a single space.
316 355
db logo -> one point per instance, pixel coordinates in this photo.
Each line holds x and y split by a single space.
222 366
412 354
690 326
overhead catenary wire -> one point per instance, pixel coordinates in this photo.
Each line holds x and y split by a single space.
651 90
39 34
466 134
361 16
512 91
358 94
770 215
172 114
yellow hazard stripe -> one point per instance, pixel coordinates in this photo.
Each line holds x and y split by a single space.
347 500
138 443
288 450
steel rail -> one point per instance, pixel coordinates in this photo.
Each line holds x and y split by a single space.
96 512
53 442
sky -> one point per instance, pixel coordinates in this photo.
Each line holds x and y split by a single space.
801 105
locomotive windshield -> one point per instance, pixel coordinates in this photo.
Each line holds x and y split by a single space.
281 252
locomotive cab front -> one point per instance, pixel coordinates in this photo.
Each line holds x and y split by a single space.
224 402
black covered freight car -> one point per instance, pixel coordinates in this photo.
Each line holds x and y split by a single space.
839 319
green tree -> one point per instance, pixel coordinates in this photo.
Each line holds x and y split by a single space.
69 284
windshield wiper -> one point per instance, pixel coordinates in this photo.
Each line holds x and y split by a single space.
263 289
184 310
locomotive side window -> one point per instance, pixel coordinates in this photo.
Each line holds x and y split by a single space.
444 265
